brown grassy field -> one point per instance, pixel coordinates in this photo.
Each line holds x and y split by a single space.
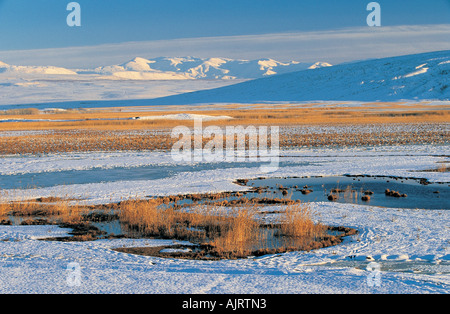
94 140
109 134
280 115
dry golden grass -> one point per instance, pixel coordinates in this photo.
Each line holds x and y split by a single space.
299 223
3 211
96 140
20 112
254 115
142 216
151 218
31 208
113 135
443 168
82 141
70 214
350 194
239 235
235 232
57 210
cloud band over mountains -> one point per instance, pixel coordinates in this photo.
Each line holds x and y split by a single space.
334 46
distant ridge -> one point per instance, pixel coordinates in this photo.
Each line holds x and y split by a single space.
49 70
420 76
179 68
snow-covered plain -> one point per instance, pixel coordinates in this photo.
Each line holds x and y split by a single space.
138 78
37 91
411 245
184 116
387 236
405 161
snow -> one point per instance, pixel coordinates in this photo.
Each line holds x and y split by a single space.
409 161
176 250
203 68
138 78
24 70
411 245
185 116
318 65
387 236
134 75
178 116
418 72
138 64
387 79
92 90
188 80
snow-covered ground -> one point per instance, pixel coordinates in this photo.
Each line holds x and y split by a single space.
185 116
389 237
405 161
179 116
411 246
138 78
32 90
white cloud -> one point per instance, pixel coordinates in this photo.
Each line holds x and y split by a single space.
334 46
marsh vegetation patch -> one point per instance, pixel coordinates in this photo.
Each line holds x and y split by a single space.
215 232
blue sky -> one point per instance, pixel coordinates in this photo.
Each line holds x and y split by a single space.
31 24
34 32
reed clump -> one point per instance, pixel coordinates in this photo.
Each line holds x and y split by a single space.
443 168
239 234
224 231
152 218
20 112
49 210
298 222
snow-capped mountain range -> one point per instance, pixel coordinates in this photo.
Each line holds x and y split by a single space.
418 76
180 68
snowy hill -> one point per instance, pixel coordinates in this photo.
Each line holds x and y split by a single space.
420 76
203 68
13 69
